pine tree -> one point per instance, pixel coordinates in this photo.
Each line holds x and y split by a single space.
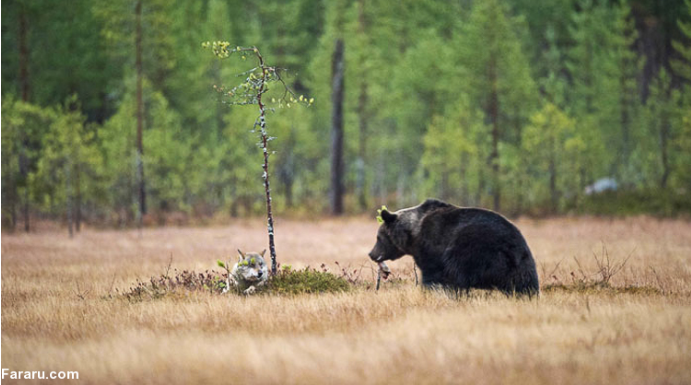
551 141
450 159
498 78
69 162
682 67
627 67
663 123
319 82
594 92
141 30
23 127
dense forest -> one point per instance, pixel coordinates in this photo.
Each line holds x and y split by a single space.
109 114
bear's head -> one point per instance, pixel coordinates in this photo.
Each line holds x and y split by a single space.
391 238
396 235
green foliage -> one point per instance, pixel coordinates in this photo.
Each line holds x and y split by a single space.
500 84
24 127
257 81
604 69
168 159
118 30
555 149
68 168
682 67
428 83
491 41
666 155
454 152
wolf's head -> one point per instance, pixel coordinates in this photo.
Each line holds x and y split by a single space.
251 267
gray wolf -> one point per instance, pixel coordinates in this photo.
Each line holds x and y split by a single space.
249 273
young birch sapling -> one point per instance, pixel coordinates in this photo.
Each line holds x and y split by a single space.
253 90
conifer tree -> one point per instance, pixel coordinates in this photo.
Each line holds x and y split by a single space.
69 162
664 123
498 78
141 30
682 66
551 141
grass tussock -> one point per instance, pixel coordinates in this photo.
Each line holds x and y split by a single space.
614 309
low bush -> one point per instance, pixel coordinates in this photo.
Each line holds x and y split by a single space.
180 282
289 281
286 282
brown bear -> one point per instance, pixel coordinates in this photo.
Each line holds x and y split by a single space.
459 248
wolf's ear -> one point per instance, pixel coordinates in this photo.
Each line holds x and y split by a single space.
241 253
263 252
388 217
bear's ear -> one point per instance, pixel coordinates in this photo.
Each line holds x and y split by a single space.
263 252
388 217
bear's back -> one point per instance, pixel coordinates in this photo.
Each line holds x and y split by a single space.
451 219
474 247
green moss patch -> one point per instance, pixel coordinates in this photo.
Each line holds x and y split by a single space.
289 281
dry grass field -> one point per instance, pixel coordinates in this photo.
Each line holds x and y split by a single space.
60 310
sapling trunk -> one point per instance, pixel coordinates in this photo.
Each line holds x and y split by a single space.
265 166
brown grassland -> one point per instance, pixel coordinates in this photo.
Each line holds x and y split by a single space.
60 310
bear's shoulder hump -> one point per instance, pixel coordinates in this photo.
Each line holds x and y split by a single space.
431 204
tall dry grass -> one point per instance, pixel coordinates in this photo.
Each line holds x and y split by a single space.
60 311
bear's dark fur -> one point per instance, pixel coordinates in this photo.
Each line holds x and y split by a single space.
459 248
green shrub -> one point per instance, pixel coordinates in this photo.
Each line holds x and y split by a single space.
288 281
